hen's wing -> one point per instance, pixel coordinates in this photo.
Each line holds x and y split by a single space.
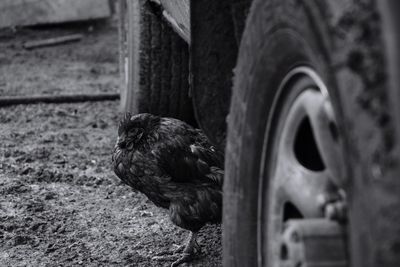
190 158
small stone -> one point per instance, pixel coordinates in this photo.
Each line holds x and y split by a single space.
25 171
146 214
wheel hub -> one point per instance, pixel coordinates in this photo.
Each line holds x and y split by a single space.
313 243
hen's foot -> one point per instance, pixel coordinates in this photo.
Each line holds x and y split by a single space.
183 247
190 251
165 256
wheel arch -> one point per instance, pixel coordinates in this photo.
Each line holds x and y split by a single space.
216 28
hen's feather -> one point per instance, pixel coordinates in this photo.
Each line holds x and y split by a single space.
174 165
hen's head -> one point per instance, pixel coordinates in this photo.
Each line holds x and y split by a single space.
132 128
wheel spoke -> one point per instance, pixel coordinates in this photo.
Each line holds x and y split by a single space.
301 187
320 113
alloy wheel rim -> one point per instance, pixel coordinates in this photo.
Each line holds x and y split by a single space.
304 164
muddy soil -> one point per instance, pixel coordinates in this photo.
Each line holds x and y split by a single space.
60 203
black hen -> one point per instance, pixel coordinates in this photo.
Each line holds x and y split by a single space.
175 166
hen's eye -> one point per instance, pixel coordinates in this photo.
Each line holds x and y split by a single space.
122 144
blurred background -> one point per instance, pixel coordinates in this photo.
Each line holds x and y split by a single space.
86 65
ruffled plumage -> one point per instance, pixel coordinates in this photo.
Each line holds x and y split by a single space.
174 165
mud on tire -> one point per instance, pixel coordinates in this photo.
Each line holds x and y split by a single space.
345 46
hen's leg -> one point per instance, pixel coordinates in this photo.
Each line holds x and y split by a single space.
189 252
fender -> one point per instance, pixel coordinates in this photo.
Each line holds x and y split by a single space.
177 13
213 31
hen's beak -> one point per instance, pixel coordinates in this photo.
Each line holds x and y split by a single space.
121 142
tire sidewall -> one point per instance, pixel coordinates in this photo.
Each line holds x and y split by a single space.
273 44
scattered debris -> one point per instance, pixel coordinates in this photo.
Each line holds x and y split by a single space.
70 98
145 213
53 41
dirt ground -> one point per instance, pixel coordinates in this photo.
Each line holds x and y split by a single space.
60 203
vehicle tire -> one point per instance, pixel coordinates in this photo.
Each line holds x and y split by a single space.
154 63
344 47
